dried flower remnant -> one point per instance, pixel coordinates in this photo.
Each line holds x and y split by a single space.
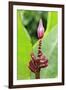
36 63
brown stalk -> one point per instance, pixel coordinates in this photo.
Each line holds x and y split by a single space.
37 74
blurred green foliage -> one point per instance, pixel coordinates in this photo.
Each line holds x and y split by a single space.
30 20
27 23
24 49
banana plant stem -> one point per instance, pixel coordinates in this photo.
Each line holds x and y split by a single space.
37 74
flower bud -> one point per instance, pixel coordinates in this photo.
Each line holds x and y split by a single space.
40 30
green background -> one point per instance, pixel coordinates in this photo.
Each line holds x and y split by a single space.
27 23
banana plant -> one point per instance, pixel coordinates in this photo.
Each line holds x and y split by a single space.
49 48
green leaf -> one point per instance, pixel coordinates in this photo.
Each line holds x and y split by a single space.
23 51
51 52
52 21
